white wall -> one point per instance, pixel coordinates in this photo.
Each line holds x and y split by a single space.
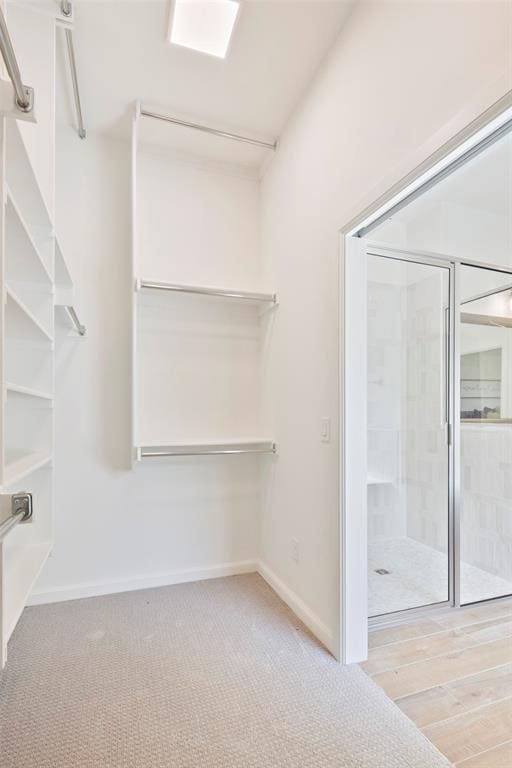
399 72
112 524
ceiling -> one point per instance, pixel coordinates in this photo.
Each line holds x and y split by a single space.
122 55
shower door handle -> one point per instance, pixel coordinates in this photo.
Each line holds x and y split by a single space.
446 375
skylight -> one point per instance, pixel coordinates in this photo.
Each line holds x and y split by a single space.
203 25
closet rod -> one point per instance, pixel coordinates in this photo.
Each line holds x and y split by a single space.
66 10
24 94
74 317
13 519
205 450
204 291
208 129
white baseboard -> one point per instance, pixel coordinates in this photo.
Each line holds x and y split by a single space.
294 602
60 594
320 630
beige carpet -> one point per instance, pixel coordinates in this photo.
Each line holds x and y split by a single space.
216 674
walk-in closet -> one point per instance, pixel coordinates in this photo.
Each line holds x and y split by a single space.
256 377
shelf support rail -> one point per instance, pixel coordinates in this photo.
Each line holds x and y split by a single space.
205 450
67 10
24 95
208 129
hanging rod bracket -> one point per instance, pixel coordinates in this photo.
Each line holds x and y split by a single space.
9 106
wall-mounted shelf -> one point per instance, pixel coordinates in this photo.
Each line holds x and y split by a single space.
203 290
217 448
20 465
21 322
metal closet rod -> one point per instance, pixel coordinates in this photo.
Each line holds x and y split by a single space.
205 291
13 519
209 129
66 9
206 450
24 94
81 329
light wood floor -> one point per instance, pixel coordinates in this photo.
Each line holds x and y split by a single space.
452 675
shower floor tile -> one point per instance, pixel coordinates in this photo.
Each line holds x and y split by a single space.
418 575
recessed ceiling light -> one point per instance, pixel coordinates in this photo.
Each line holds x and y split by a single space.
204 25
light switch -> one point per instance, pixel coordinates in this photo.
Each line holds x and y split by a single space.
325 430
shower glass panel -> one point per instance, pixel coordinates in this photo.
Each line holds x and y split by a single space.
486 434
408 453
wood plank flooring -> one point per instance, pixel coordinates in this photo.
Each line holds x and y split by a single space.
451 673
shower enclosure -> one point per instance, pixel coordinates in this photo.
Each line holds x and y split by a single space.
439 432
426 452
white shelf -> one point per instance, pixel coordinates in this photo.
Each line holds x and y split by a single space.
208 448
22 565
21 465
206 290
29 262
23 183
62 273
17 389
24 323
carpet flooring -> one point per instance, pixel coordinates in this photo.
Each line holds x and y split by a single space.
214 674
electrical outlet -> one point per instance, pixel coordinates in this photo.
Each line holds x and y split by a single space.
295 550
325 430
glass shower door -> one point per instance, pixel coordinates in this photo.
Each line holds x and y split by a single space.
485 434
408 452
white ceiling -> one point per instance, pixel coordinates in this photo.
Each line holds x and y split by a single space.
122 55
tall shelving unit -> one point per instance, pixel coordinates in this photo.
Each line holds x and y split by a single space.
34 278
197 346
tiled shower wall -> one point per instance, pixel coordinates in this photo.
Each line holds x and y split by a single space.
486 499
386 513
423 446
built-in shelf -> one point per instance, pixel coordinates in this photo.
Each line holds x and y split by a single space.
17 389
203 290
206 449
20 465
29 264
62 273
23 183
22 565
21 322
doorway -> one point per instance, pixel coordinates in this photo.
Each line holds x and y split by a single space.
427 439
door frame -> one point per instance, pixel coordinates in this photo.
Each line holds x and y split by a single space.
462 137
